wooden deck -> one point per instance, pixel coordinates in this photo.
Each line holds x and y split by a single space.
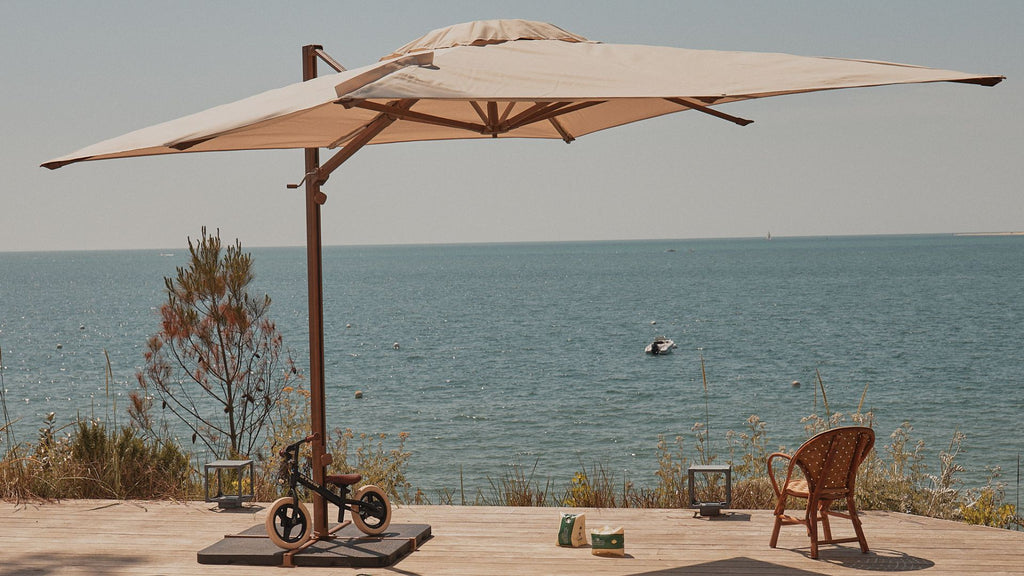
114 537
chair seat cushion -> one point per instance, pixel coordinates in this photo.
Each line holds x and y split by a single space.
797 487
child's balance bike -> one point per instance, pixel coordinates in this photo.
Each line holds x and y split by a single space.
289 523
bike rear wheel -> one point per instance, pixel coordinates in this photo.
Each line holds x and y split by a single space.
288 523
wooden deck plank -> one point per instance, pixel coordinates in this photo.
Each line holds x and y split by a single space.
111 537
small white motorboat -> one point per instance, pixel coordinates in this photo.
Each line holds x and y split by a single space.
661 345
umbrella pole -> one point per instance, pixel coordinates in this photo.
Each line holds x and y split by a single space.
315 176
314 269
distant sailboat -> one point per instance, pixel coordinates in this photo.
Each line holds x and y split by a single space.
769 237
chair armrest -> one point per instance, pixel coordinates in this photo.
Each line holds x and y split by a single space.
771 471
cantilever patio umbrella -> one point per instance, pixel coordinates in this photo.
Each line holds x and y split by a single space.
490 79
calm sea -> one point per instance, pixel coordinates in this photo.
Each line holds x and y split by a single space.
533 353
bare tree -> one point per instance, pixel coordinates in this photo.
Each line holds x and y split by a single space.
216 363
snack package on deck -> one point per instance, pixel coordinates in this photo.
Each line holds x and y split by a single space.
608 541
572 531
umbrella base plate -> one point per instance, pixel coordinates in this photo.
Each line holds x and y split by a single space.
349 547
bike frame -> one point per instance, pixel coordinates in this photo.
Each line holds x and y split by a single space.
296 477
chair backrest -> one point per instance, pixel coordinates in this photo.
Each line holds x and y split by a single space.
830 460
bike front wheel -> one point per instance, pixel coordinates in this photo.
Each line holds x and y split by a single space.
372 514
288 523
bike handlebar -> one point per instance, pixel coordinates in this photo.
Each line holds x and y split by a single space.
295 446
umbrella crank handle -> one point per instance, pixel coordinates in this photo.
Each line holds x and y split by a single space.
320 198
301 182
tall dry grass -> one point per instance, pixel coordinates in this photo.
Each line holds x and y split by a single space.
90 460
896 475
95 458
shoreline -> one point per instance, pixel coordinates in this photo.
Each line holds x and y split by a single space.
969 234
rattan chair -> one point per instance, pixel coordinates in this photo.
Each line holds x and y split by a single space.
822 471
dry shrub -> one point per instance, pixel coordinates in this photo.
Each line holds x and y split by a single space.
96 462
381 466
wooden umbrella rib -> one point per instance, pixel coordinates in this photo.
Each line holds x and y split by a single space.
567 110
479 111
559 109
492 118
493 114
506 112
693 105
495 123
326 58
561 131
984 81
387 116
528 116
420 117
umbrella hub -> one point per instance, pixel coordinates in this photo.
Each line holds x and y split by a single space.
483 32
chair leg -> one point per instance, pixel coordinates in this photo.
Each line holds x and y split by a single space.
812 527
851 507
775 532
823 508
780 508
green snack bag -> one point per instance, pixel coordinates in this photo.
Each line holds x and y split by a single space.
608 542
572 530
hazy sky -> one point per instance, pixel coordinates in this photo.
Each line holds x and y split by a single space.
903 159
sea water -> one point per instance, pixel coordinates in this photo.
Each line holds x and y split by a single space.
491 356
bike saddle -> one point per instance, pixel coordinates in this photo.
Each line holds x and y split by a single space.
343 479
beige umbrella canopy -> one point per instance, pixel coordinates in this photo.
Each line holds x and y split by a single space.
501 79
490 79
